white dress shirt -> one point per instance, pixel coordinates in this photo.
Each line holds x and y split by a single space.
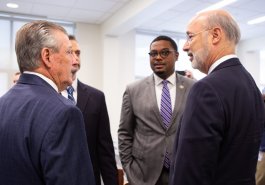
49 81
74 85
219 61
171 86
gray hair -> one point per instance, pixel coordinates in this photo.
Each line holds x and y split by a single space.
31 39
227 23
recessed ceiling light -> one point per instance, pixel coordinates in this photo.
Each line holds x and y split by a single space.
12 5
218 5
257 20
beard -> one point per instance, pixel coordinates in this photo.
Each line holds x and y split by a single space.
200 58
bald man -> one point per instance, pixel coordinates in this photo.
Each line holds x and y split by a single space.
222 124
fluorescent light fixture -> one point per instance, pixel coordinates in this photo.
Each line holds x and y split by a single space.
218 5
257 20
12 5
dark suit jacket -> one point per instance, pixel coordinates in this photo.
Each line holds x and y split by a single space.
220 131
42 137
93 106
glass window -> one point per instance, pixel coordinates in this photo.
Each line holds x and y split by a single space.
142 65
3 82
5 43
69 29
262 68
16 26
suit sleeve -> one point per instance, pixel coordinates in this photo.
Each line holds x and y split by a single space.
105 148
65 157
199 139
126 132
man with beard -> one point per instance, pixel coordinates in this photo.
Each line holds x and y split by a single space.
223 121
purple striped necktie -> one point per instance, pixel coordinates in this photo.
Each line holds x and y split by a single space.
166 114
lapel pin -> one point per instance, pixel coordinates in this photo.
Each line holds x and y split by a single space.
181 86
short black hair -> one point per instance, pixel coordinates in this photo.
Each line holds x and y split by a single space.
166 38
71 37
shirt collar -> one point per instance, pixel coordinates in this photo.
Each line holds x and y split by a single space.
219 61
49 81
74 84
171 79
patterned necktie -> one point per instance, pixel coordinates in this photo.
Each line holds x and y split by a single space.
70 91
165 109
166 114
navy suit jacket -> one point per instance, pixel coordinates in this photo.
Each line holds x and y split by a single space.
93 106
42 137
221 128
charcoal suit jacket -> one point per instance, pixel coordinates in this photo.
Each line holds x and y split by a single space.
92 104
143 138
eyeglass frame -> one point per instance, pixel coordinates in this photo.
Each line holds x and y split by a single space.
159 53
189 36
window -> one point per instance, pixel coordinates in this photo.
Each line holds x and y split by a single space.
262 73
10 24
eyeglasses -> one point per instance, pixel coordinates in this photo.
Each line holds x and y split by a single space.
163 53
191 35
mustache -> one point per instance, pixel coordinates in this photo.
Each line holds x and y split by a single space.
158 62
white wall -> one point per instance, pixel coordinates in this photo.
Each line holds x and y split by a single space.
89 39
118 71
107 63
248 52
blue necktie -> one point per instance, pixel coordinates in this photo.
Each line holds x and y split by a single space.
166 114
70 91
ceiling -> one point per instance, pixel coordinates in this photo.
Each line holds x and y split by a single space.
119 16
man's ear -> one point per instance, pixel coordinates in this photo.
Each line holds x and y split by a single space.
45 56
217 35
176 55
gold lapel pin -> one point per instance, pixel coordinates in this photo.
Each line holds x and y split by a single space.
181 86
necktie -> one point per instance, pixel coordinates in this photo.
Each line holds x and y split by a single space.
166 114
70 91
165 109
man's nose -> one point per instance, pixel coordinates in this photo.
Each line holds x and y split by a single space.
186 46
74 60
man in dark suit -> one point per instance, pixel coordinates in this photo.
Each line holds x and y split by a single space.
42 137
92 104
260 172
222 124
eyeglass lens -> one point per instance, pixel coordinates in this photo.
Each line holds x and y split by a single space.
163 53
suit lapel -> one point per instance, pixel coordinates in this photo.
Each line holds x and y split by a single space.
82 96
152 93
227 63
180 92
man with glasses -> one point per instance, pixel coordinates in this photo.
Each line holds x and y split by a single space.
224 117
150 116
